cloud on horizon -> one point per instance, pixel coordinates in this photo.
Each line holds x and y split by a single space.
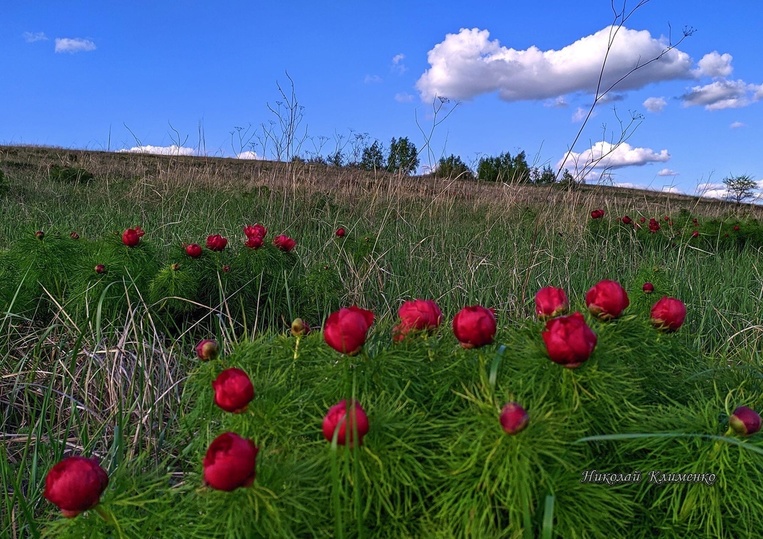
604 155
723 94
655 104
667 172
160 150
74 45
32 37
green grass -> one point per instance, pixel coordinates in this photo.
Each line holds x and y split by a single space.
105 366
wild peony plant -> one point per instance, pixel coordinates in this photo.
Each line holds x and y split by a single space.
75 485
474 326
346 329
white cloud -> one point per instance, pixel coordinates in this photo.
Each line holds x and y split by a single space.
372 79
161 150
557 103
403 97
723 94
469 63
714 65
736 125
72 45
711 190
663 189
248 155
580 114
670 189
655 104
667 172
397 64
31 37
604 155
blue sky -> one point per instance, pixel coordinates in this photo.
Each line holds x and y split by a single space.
519 77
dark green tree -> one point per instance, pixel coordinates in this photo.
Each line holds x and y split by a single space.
453 167
372 157
403 156
543 176
504 168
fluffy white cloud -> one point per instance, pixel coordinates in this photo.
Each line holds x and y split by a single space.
72 45
248 155
667 172
372 79
469 63
714 64
604 155
31 37
558 103
723 94
580 114
736 125
397 64
161 150
711 190
403 97
655 104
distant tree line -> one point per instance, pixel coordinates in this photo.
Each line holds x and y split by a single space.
502 168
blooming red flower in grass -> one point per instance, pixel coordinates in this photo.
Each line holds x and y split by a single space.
348 421
551 301
340 232
284 242
216 242
569 341
607 299
254 242
193 250
626 220
230 462
654 226
100 268
345 330
73 235
233 390
514 418
745 421
131 237
597 214
668 313
648 288
642 220
75 484
474 326
255 230
695 234
207 349
417 315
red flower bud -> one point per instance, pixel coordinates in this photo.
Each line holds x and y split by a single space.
606 299
233 390
230 462
254 242
648 288
626 220
284 243
216 242
668 313
257 230
736 228
514 418
346 329
39 234
642 220
654 226
130 237
474 326
597 214
75 484
299 328
551 301
340 232
100 268
347 421
745 421
417 315
569 341
207 349
73 235
193 250
695 234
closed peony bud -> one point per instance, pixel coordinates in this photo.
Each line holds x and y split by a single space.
340 232
745 421
284 243
569 341
75 484
345 330
257 230
216 242
130 237
230 462
207 349
299 328
100 268
550 302
347 421
193 250
514 418
417 315
606 300
474 326
626 220
648 288
73 235
254 242
39 234
233 390
597 214
668 314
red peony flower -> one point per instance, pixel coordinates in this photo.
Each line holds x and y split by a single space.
736 228
230 462
347 421
745 421
73 235
207 349
668 313
551 301
100 268
284 242
233 390
130 237
695 234
597 214
254 242
474 326
654 226
252 231
648 288
569 341
642 220
345 330
75 484
139 231
606 300
514 418
626 220
216 242
340 232
417 315
39 234
193 250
